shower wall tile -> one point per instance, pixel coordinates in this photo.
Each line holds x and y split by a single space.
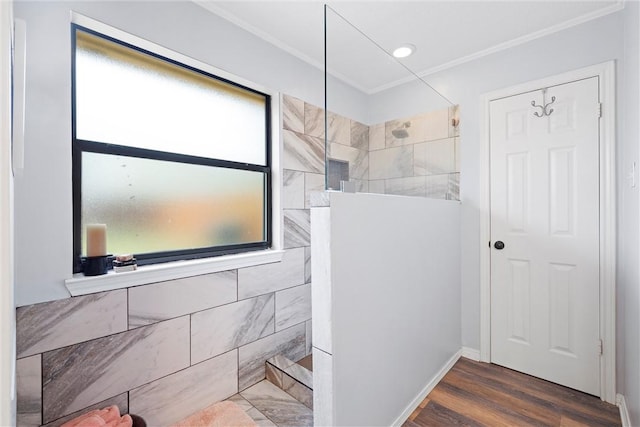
437 186
454 186
121 401
29 391
313 182
292 189
177 396
290 343
359 136
339 129
263 279
411 186
435 157
376 186
377 137
435 125
307 264
391 163
166 300
302 152
221 329
292 114
309 337
51 325
293 306
456 145
80 375
296 228
313 121
358 160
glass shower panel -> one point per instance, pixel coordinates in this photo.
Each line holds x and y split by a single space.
404 140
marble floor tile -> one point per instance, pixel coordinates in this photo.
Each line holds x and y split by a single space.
293 306
29 390
121 401
241 402
297 228
50 325
292 113
221 329
165 300
252 357
263 279
260 418
80 375
177 396
391 163
359 136
292 189
278 406
302 152
313 121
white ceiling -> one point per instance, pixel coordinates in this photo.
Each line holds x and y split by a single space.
446 33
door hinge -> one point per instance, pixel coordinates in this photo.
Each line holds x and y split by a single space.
599 109
600 347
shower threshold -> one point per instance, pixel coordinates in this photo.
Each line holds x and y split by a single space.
293 377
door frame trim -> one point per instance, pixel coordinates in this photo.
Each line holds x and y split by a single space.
606 73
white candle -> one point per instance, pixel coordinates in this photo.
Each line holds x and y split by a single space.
96 239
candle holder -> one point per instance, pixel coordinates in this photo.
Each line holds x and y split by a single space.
95 265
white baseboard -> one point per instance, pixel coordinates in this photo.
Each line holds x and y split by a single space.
471 353
427 389
624 412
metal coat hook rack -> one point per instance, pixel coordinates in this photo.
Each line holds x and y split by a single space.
544 108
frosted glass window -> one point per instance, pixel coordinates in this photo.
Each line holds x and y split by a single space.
174 160
158 206
130 98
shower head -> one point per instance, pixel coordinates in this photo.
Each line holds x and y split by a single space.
401 132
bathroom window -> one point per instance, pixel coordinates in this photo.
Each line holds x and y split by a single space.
173 159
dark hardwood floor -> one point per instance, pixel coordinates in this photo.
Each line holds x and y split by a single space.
481 394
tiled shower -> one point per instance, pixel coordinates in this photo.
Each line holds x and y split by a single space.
168 349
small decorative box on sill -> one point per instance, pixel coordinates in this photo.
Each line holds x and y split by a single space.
124 263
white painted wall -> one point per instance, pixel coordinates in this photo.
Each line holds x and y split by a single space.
613 37
43 192
396 301
629 218
7 312
587 44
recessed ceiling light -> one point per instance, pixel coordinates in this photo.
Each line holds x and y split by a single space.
404 51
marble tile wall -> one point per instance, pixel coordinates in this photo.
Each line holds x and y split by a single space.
423 162
168 349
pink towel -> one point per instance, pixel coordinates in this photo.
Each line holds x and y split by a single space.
107 417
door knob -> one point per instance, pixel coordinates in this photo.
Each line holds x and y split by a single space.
499 245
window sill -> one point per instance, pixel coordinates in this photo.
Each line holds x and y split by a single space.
82 285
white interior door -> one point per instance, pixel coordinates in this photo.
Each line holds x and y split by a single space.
545 209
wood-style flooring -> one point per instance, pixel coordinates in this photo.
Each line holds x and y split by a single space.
481 394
